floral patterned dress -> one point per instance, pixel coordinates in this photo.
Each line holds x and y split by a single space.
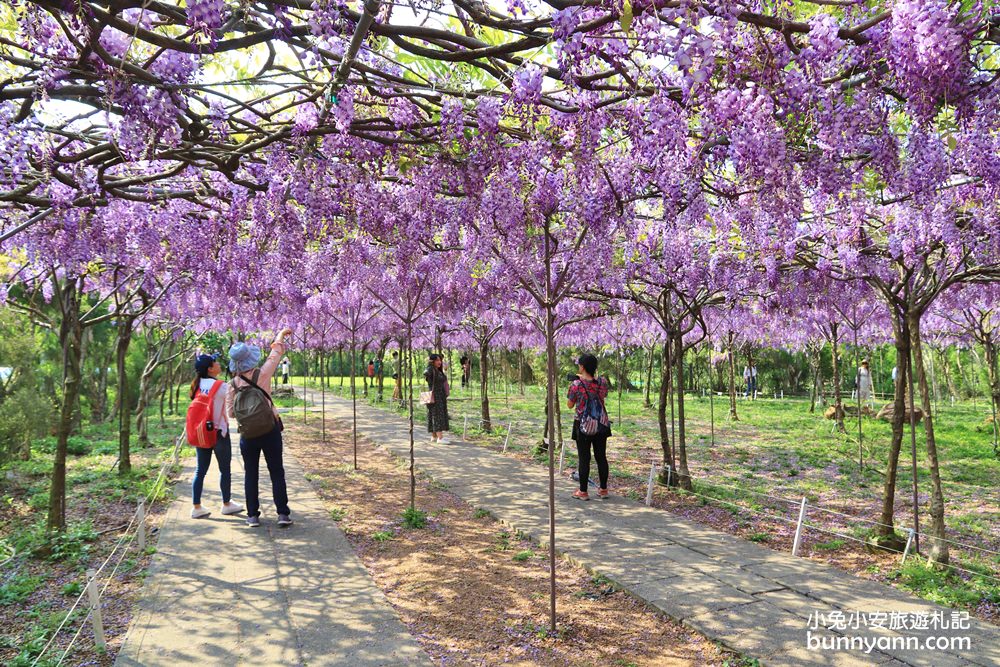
437 412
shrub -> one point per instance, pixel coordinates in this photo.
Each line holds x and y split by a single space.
414 518
18 588
382 536
522 556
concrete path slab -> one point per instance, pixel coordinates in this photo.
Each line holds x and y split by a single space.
222 594
750 598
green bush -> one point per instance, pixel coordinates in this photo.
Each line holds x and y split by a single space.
25 414
18 588
414 518
77 445
71 546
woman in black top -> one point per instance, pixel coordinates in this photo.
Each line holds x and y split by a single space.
437 412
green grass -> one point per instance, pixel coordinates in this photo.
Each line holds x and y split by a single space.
338 513
382 536
946 586
522 556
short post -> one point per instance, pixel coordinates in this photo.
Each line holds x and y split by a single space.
669 473
95 607
649 484
906 550
141 521
465 426
506 440
782 394
798 528
177 452
562 457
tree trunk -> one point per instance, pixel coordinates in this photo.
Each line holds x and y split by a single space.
484 395
649 377
123 340
817 364
685 477
994 379
732 380
71 338
886 531
938 547
838 406
661 414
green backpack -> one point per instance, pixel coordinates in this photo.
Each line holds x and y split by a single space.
253 407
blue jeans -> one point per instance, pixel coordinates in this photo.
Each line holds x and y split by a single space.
224 455
251 449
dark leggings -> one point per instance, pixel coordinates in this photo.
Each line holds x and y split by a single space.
600 444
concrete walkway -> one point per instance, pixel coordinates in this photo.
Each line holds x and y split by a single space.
751 599
222 594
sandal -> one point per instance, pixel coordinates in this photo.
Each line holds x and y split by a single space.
580 495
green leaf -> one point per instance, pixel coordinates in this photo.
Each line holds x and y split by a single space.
626 18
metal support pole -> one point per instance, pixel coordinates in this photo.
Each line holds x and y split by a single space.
506 440
562 456
798 529
649 484
141 525
669 473
465 426
95 607
906 551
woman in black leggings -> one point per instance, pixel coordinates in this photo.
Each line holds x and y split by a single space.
588 388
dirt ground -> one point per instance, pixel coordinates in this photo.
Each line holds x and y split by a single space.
472 591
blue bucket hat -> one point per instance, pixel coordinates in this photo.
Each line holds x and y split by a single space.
243 357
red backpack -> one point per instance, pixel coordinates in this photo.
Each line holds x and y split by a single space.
201 432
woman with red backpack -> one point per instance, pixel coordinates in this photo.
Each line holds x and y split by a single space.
208 430
591 427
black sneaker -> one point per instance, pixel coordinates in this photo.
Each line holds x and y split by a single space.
253 522
284 520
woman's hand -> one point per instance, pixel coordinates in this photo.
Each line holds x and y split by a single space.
287 331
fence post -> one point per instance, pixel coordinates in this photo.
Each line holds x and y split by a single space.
669 473
465 426
649 484
906 550
95 606
562 457
798 528
510 425
141 521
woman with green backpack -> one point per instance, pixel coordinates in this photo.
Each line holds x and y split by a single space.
591 427
249 402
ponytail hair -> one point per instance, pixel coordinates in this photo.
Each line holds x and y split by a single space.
198 377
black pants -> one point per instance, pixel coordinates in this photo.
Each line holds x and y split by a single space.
583 445
251 449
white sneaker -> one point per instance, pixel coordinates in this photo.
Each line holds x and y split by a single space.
232 508
442 441
199 512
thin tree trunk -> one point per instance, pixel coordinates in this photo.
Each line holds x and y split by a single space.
124 339
484 395
649 377
838 405
732 380
71 338
938 547
685 477
886 531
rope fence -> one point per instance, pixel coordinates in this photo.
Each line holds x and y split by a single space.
801 525
134 533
